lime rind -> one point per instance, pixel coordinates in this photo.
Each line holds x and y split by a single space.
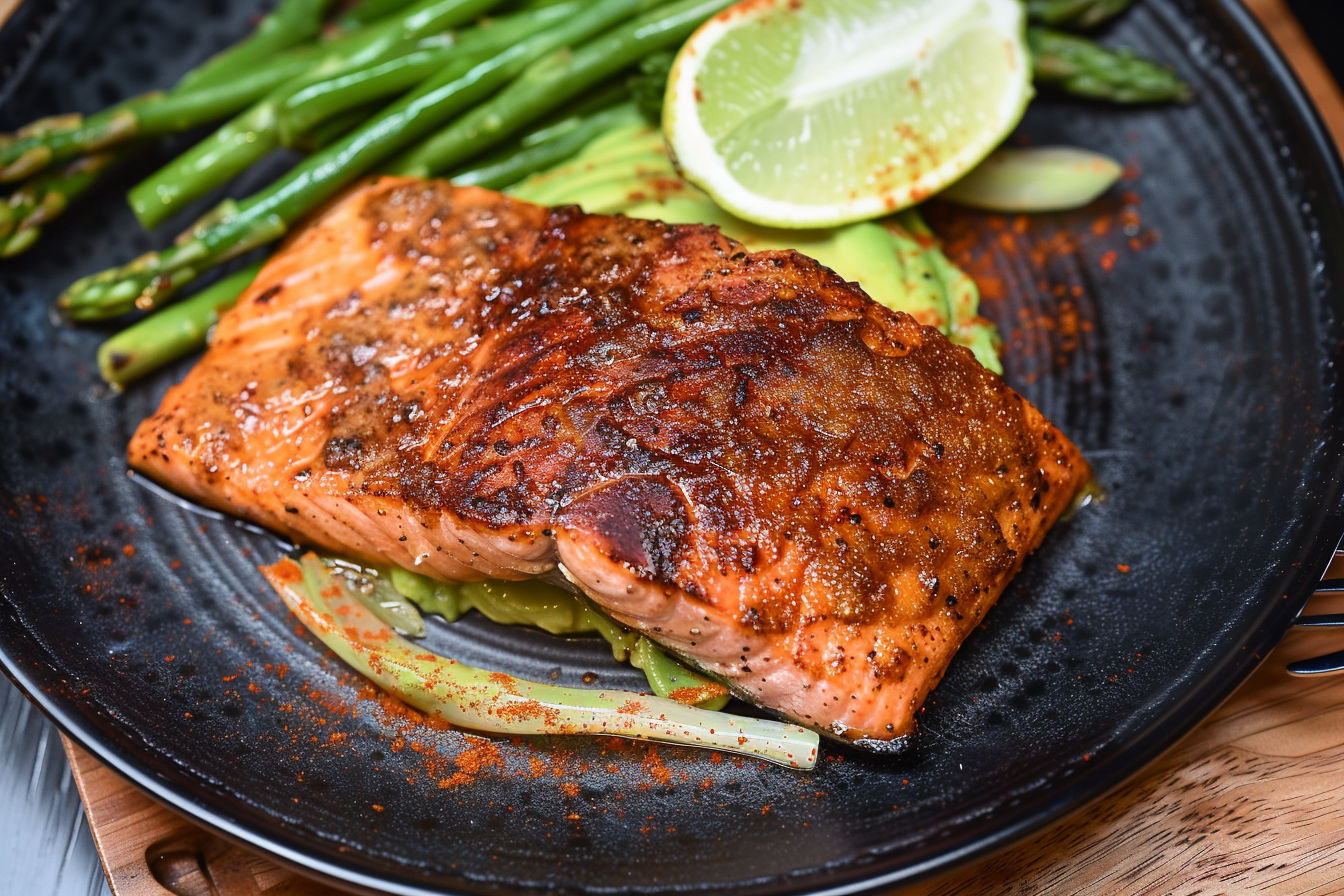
791 116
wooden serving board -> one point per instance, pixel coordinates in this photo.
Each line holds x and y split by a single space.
1251 802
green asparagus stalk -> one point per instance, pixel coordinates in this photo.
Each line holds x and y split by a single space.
171 333
66 137
305 108
1084 68
1079 15
349 63
370 11
293 22
41 199
232 83
182 327
339 125
149 280
544 148
558 77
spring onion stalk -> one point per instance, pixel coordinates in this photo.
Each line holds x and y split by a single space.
164 337
498 703
153 278
1036 179
1083 67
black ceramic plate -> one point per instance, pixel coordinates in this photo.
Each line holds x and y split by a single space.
1187 336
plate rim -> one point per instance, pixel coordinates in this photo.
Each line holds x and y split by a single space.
1304 568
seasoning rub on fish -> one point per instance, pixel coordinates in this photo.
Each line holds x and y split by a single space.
805 494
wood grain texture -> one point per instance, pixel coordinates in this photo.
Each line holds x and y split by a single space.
1252 802
149 851
1287 32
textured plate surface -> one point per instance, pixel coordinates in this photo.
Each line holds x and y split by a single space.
1185 332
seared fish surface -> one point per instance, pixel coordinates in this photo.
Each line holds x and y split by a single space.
739 454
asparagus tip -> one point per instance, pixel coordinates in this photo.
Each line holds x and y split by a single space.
20 241
43 126
31 161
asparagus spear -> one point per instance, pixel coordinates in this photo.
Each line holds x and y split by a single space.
305 108
554 79
148 280
370 11
231 84
293 22
1081 15
334 128
44 197
349 62
1084 68
544 148
164 337
66 137
172 332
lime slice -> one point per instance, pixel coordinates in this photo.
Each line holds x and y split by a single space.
806 113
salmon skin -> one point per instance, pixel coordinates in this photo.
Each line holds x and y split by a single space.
809 496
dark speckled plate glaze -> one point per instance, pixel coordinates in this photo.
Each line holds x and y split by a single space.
1197 371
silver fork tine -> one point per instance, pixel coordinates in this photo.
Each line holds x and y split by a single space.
1319 665
1330 663
1325 619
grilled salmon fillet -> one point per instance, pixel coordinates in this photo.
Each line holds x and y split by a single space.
741 455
